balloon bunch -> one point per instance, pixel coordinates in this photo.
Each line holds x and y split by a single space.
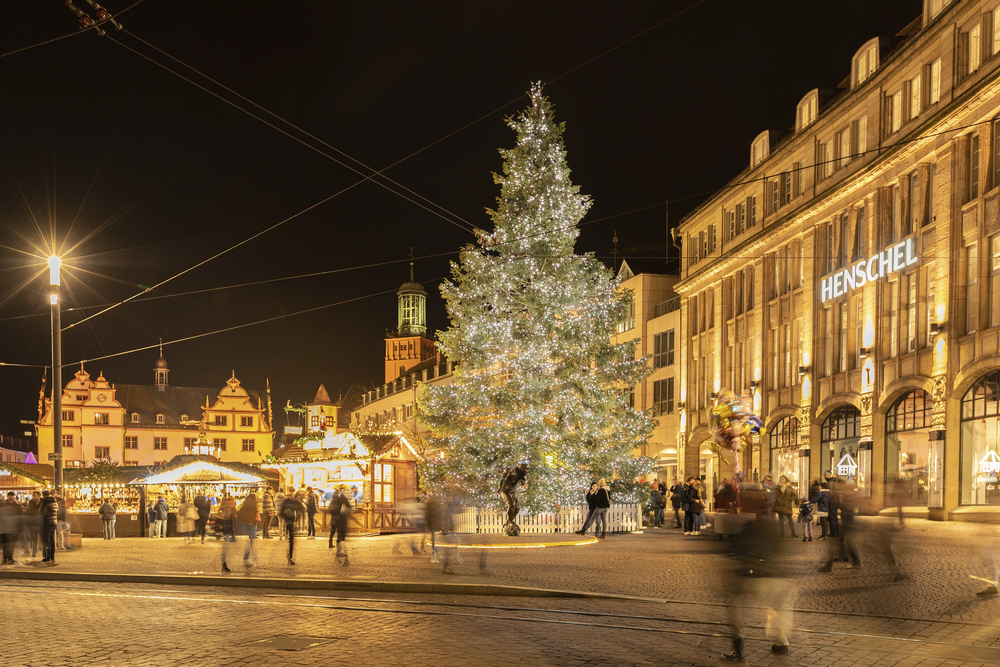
731 420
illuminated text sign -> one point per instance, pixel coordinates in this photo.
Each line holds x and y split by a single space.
878 266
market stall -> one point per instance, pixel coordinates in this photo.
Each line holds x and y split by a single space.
86 490
186 477
23 478
380 469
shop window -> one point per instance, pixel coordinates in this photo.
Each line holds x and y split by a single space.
786 457
383 483
912 462
839 437
979 474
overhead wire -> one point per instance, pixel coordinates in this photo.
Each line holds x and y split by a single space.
79 31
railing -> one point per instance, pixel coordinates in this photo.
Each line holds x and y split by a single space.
668 306
620 519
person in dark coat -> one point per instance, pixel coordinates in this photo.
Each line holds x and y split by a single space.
686 506
48 512
290 509
591 497
338 520
657 502
833 517
311 510
675 501
107 513
204 512
784 502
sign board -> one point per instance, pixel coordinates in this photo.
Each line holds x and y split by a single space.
888 261
847 466
989 464
293 430
55 456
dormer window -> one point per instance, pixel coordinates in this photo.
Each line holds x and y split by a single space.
184 418
160 419
805 115
135 417
934 7
758 150
865 62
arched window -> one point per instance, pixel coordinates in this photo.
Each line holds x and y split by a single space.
785 455
979 475
839 437
912 464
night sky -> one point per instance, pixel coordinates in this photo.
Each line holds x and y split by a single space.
136 174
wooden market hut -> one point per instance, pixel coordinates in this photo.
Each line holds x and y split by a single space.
23 478
384 466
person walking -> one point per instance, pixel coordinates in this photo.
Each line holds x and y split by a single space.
591 497
162 514
227 523
62 527
602 504
311 510
48 512
107 512
187 518
784 500
300 518
290 510
806 519
675 501
832 483
340 509
34 523
844 550
268 511
11 521
279 498
246 519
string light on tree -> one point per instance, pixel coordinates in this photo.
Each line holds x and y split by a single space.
538 378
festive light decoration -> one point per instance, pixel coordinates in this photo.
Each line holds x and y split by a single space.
538 378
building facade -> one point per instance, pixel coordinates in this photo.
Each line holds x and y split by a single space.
653 322
848 281
151 424
407 345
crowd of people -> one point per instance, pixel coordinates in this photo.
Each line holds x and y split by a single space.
34 523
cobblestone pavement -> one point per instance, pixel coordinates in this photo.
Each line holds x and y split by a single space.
133 624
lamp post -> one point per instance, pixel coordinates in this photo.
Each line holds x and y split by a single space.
54 264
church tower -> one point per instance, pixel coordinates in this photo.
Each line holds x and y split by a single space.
408 345
161 371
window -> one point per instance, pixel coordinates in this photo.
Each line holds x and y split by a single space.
915 98
807 111
102 452
827 357
893 294
912 220
67 440
184 418
189 443
753 210
246 421
826 159
859 136
68 415
911 311
663 349
160 419
628 320
383 483
865 64
219 443
221 420
81 397
630 394
859 236
785 459
248 445
859 325
663 396
742 219
786 188
995 281
845 235
102 418
934 94
797 181
758 152
843 139
974 48
996 145
934 7
894 111
775 187
749 288
135 417
131 442
974 167
732 225
775 358
972 289
842 338
159 443
930 318
789 377
896 208
711 238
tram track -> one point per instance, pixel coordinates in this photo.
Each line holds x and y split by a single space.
505 613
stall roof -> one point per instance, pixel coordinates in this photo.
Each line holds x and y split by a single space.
43 473
342 447
205 470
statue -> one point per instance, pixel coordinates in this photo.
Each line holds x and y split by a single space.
512 478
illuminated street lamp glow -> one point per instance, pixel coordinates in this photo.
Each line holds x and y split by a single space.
54 264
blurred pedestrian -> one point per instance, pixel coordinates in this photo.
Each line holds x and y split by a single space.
806 519
843 550
769 494
279 499
591 497
822 501
412 511
340 509
451 508
187 520
760 581
311 510
268 510
784 500
832 483
226 524
601 506
107 513
675 501
300 516
11 521
290 510
62 527
34 524
657 502
204 514
162 515
246 519
48 513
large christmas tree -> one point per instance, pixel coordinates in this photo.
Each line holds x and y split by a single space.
538 378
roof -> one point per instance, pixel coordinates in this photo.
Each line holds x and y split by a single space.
39 472
322 398
196 468
172 402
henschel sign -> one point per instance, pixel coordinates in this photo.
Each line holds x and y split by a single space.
877 266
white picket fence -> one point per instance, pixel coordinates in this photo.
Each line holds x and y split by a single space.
620 519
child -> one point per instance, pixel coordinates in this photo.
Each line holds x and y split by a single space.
806 519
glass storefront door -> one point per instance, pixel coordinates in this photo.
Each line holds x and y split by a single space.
979 475
785 459
839 442
908 452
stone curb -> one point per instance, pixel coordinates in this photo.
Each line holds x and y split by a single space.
309 584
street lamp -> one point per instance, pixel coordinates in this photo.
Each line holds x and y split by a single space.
54 265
